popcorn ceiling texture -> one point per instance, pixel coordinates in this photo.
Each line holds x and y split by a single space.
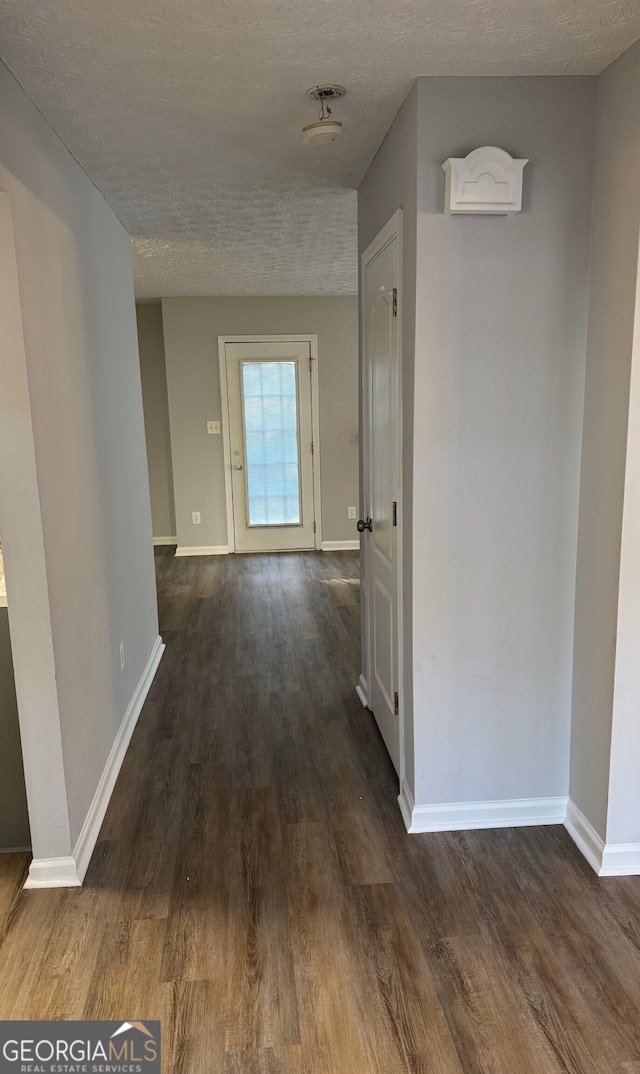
187 115
268 244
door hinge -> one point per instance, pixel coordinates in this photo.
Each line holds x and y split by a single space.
314 527
313 450
394 514
395 302
396 704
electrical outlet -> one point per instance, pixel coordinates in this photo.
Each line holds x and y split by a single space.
351 512
121 656
213 427
195 518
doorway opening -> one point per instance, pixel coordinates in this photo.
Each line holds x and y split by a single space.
14 819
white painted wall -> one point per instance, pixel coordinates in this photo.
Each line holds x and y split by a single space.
605 782
153 375
75 513
191 330
390 184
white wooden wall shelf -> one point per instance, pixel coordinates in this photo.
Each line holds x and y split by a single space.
487 181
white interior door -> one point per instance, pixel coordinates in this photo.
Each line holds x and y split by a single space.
382 474
271 448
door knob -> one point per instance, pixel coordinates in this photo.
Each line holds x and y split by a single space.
236 466
361 525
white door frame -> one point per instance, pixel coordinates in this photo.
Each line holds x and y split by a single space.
312 341
391 230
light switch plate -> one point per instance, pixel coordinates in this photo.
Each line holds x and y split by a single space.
213 427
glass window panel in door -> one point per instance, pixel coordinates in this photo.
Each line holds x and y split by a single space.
272 456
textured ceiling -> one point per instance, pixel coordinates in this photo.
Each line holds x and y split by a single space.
187 113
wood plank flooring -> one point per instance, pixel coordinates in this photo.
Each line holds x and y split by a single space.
254 887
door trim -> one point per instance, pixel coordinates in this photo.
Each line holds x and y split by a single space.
392 229
312 341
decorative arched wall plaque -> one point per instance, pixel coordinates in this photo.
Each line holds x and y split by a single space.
488 181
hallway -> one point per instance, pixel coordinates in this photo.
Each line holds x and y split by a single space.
254 887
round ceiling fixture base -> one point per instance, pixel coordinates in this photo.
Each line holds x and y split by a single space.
326 130
326 93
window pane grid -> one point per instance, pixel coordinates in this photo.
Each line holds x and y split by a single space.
270 406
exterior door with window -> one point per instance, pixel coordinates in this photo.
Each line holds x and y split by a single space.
270 441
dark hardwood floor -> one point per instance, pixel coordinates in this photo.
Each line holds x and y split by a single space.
254 886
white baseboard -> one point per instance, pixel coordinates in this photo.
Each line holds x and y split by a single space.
407 804
465 816
340 546
53 873
70 871
363 692
621 859
93 822
203 550
165 540
584 835
606 859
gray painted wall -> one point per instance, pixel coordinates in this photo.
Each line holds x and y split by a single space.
84 412
616 227
496 398
191 330
500 356
156 418
390 184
